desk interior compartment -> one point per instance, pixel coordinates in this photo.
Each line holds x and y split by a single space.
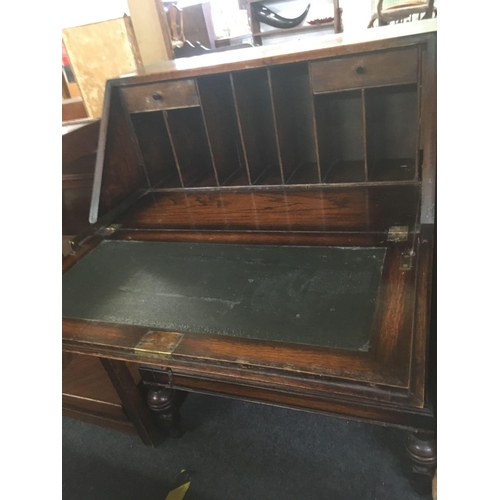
392 133
222 128
156 149
254 106
293 109
339 128
188 137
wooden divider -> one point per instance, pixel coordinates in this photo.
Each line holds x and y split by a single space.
392 131
222 128
267 126
189 141
291 93
254 111
159 161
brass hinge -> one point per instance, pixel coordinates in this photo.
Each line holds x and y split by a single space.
398 233
108 230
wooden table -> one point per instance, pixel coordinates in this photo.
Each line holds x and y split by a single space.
264 229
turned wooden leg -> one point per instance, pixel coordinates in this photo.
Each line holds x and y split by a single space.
164 403
421 448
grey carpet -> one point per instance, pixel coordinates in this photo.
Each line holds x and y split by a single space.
243 451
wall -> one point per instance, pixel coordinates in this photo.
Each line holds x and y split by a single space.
77 13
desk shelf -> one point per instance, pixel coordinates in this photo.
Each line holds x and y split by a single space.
268 127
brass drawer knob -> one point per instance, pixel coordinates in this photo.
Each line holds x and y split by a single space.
360 69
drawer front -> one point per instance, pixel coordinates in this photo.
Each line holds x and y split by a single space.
365 70
161 95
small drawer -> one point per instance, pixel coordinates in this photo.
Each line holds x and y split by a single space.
365 70
161 95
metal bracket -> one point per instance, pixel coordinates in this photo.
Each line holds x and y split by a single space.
170 376
81 239
398 233
108 230
406 260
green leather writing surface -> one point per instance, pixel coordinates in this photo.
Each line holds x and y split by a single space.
321 296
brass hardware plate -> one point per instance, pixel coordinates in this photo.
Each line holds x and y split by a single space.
406 260
398 233
112 228
158 345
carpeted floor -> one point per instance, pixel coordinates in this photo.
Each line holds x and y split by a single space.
242 451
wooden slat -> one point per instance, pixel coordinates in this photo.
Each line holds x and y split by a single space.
346 239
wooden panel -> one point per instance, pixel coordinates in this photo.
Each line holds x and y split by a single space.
73 109
93 406
391 132
75 207
423 364
365 70
119 169
98 52
368 209
413 418
88 394
198 24
161 95
77 142
343 239
295 367
86 378
339 126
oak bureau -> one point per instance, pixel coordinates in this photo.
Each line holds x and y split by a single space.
263 228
